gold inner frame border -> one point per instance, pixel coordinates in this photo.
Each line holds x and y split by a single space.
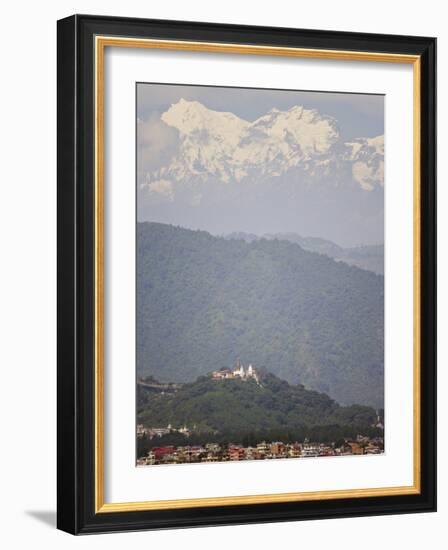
100 44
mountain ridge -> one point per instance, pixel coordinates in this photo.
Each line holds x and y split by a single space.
204 300
369 257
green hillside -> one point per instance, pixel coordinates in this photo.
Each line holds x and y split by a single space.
226 405
203 301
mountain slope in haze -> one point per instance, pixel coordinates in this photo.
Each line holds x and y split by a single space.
237 406
203 301
370 257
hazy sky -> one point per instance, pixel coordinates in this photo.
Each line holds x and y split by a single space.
358 115
200 168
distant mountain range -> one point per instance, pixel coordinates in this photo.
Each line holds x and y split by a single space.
203 301
370 257
221 146
285 171
243 406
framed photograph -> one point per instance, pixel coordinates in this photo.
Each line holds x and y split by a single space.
246 274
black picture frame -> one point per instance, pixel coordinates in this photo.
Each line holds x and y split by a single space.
76 512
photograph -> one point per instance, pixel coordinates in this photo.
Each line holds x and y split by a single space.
259 274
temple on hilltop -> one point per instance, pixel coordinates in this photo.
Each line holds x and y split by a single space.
237 372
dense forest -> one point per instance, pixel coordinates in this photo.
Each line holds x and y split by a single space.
243 405
370 257
203 301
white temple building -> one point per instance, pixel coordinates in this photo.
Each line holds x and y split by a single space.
238 372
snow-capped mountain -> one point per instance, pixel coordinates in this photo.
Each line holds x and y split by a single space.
220 147
286 171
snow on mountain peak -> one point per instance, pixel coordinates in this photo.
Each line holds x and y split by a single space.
220 146
191 116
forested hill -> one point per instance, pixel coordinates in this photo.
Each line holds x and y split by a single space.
239 406
203 301
370 257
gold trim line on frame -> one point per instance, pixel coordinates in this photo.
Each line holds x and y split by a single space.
250 49
255 499
99 278
417 270
100 43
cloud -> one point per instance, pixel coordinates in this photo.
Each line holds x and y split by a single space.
367 157
157 143
161 187
368 176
